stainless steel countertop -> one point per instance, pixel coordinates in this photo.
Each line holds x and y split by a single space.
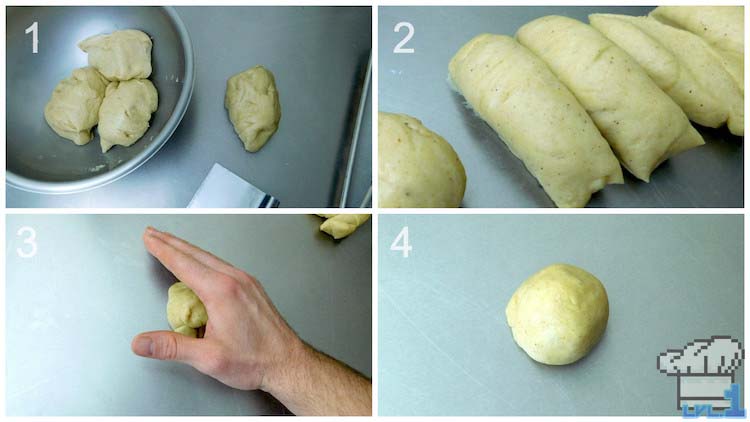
444 347
319 56
416 84
73 309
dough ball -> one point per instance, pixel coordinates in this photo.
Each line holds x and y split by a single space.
73 108
253 105
417 168
342 225
121 55
185 311
126 111
558 314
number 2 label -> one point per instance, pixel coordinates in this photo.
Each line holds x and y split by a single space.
401 242
399 48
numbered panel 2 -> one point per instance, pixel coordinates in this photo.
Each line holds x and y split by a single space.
560 315
506 106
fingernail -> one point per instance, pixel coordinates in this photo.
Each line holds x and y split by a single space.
143 346
150 230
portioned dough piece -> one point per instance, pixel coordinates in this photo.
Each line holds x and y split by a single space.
342 225
682 64
723 27
73 108
417 168
121 55
559 314
126 111
536 116
253 105
185 311
642 124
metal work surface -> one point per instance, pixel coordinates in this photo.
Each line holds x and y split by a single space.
444 347
417 84
74 307
319 56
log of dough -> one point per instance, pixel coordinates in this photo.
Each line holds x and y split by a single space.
185 311
682 64
536 116
642 124
126 111
121 55
253 105
559 314
73 108
417 168
342 225
722 26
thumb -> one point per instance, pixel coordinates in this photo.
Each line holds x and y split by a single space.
167 345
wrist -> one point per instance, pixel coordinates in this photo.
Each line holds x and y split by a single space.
285 368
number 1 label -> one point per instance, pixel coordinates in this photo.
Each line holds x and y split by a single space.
34 30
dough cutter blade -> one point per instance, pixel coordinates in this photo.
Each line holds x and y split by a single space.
224 189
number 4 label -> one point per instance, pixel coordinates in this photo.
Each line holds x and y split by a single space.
401 242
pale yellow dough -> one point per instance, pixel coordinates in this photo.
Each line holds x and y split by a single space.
559 314
342 225
253 105
121 55
417 168
73 108
642 124
126 111
721 26
185 311
536 116
682 64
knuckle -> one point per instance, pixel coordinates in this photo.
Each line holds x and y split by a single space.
166 347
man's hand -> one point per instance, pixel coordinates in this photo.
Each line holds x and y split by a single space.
247 344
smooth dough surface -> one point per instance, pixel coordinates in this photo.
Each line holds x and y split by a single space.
559 314
342 225
73 108
185 311
253 105
682 64
536 116
417 168
722 26
642 124
126 111
121 55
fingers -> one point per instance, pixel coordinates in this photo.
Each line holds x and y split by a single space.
197 253
168 345
196 275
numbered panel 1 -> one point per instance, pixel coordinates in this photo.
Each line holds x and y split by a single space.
510 101
80 288
560 315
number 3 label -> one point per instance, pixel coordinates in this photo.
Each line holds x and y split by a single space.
401 242
399 48
30 240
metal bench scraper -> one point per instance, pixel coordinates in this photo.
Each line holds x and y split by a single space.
224 189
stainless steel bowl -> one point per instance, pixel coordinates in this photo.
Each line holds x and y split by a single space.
37 159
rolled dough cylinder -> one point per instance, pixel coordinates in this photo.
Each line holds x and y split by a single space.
536 116
682 64
417 168
253 105
722 26
342 225
73 108
126 111
642 124
559 314
121 55
185 311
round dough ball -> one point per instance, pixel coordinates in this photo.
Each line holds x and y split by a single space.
121 55
73 108
253 105
185 311
417 168
558 314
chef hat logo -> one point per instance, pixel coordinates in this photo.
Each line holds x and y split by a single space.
719 355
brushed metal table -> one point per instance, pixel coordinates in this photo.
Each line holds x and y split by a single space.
73 308
319 56
416 84
444 347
